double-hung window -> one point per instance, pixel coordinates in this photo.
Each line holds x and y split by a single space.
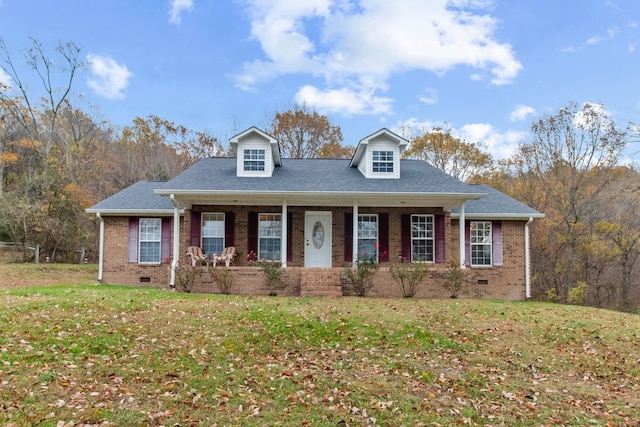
149 235
269 236
254 160
368 237
383 161
212 233
422 238
480 242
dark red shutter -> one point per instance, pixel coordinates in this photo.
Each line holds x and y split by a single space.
289 236
383 237
252 232
229 228
440 240
496 228
405 235
348 236
165 238
194 236
133 239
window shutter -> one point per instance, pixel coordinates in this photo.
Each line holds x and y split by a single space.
405 235
165 238
229 228
467 243
252 232
440 255
289 236
348 236
194 236
383 237
133 239
496 229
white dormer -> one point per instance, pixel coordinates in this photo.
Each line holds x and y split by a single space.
378 155
257 153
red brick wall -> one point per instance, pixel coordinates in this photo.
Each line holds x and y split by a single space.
504 282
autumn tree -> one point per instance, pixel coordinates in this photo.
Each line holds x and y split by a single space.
458 158
303 133
569 159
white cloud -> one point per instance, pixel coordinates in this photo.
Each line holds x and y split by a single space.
611 33
108 78
351 44
521 112
177 7
344 100
500 145
429 96
5 79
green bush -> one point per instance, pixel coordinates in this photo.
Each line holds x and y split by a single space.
454 278
409 276
223 279
361 276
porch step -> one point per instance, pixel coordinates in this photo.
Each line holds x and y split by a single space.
321 282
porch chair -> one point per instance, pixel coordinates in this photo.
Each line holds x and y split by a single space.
195 254
227 255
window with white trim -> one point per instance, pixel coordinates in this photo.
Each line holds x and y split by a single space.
422 238
149 235
269 236
368 237
212 233
480 240
254 159
382 161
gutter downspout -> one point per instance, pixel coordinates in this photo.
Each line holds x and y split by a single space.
176 240
100 247
527 273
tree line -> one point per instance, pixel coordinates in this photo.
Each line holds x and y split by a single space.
57 159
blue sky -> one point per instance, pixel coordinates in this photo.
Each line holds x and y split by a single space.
488 68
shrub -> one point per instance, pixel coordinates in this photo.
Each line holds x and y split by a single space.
576 295
223 279
454 278
361 276
409 276
272 275
185 276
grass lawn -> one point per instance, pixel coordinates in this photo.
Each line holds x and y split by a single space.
109 355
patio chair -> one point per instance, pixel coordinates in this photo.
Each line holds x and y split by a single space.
227 255
195 255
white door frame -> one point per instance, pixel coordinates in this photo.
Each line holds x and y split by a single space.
318 238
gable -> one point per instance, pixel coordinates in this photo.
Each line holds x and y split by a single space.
257 154
378 155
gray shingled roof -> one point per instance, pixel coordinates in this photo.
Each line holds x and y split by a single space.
495 204
314 175
137 198
213 175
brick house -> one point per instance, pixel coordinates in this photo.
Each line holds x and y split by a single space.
314 216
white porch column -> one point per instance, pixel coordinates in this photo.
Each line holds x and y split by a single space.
176 240
354 249
283 236
462 237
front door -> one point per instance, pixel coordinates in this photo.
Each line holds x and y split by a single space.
317 239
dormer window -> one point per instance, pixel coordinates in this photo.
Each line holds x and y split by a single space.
257 154
383 161
254 160
378 155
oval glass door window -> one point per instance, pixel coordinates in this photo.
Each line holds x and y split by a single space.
318 235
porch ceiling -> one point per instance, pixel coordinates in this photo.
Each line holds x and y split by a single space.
444 200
